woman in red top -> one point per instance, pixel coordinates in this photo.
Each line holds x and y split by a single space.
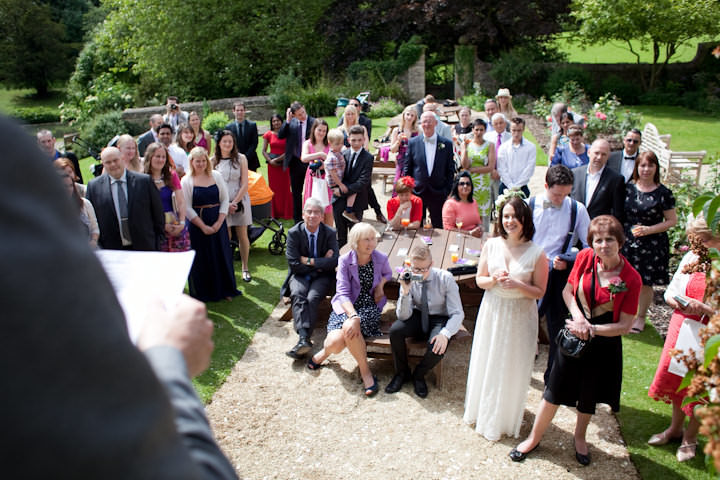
602 296
278 178
688 283
405 205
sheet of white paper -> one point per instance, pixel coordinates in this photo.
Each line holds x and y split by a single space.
688 337
142 277
453 247
402 252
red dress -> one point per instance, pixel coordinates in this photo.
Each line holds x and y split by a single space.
665 384
279 179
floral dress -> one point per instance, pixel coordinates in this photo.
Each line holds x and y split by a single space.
365 306
478 156
649 254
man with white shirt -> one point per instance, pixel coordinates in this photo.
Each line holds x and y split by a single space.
516 159
600 189
560 223
623 161
442 128
431 162
165 136
497 135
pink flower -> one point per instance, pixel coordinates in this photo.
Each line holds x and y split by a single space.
601 116
548 118
684 248
616 281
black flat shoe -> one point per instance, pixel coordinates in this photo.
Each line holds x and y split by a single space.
583 460
396 383
301 348
518 456
373 389
312 365
421 389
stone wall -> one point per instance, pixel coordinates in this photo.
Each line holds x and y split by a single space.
414 80
258 109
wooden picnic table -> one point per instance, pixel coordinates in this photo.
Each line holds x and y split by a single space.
398 244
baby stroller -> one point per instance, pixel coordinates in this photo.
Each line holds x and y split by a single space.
260 198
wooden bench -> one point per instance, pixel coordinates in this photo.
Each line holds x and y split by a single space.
379 347
386 171
672 164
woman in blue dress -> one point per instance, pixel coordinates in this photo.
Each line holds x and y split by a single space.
212 276
575 152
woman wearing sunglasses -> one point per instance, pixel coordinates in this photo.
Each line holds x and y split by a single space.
460 210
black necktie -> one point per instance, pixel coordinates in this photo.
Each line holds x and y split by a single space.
424 308
312 245
123 208
240 130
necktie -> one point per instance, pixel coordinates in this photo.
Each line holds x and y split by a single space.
240 130
352 161
547 204
312 245
424 308
123 208
499 141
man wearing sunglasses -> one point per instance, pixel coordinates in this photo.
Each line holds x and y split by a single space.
623 161
428 307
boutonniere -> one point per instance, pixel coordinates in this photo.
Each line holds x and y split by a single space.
441 146
616 286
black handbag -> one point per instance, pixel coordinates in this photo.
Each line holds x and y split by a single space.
567 342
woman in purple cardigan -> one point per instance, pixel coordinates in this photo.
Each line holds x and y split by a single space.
358 301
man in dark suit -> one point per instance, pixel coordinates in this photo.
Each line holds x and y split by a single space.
356 179
312 254
246 135
430 162
295 130
623 161
600 189
127 206
150 136
95 382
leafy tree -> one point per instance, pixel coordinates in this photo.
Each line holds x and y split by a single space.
356 30
31 52
662 25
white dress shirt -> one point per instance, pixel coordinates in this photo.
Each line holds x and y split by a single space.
179 157
627 165
443 299
551 225
430 148
516 163
591 183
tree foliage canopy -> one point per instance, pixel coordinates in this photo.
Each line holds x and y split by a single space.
662 25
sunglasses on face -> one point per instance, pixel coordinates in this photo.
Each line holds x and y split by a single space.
464 184
632 140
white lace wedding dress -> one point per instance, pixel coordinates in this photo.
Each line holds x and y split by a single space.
503 350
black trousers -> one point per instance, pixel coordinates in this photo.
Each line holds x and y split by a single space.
306 294
553 307
297 181
433 203
342 225
412 328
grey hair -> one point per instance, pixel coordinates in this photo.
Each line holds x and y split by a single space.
498 115
360 231
313 202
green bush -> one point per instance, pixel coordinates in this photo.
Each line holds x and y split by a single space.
215 121
475 100
34 115
608 118
284 90
100 130
385 107
319 99
627 92
104 94
560 77
523 68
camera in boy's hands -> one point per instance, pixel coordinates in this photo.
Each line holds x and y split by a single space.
407 276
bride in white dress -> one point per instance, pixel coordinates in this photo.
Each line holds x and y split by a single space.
513 272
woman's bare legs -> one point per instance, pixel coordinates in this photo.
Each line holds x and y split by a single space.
328 219
543 418
243 245
358 350
646 296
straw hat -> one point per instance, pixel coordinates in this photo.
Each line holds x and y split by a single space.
503 92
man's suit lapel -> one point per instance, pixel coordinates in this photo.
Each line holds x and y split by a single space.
582 181
602 184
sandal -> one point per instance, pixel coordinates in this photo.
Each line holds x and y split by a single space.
312 365
663 439
686 452
373 389
246 276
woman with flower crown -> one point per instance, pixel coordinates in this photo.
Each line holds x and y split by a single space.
513 271
602 297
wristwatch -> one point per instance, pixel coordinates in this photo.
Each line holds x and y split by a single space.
308 261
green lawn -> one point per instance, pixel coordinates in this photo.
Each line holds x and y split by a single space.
12 98
617 52
691 130
640 416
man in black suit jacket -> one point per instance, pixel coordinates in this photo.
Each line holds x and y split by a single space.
246 136
356 179
81 380
433 186
623 161
600 189
145 220
150 136
310 273
295 130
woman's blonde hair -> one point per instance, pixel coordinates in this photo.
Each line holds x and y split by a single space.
413 126
359 231
134 165
198 152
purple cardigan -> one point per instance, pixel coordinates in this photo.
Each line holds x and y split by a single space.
348 279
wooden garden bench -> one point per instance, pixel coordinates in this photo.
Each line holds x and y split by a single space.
672 164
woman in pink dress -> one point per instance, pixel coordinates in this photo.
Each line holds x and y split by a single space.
688 284
314 152
460 210
202 137
401 136
278 179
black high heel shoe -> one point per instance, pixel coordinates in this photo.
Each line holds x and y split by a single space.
518 456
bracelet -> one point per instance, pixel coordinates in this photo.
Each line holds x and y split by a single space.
353 315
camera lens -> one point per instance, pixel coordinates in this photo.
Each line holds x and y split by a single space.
406 276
